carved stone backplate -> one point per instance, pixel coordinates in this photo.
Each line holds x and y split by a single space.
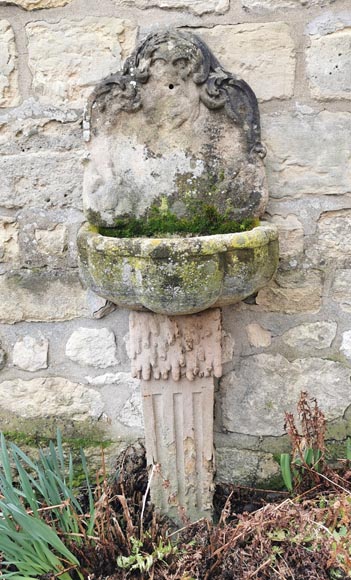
173 130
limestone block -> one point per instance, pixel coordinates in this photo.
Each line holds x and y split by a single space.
345 347
341 289
9 249
45 180
31 354
120 379
328 22
94 347
228 344
257 336
164 346
41 296
195 6
329 66
263 54
333 237
276 298
298 164
47 237
3 357
69 57
36 4
34 128
290 235
264 386
114 386
50 397
244 466
132 413
260 5
317 335
9 92
52 241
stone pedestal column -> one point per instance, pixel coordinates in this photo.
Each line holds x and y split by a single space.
177 359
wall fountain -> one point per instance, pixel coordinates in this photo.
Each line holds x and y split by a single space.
174 141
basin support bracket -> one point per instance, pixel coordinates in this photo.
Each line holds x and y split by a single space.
177 359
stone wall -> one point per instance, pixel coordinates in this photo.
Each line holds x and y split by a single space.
63 355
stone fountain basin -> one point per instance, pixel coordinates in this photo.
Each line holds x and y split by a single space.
178 275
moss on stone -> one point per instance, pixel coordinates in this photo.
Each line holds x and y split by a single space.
160 221
37 440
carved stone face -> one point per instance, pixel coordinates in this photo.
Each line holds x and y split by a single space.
173 130
170 97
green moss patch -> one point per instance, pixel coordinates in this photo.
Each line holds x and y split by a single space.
161 222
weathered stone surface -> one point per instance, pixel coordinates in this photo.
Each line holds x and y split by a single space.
179 439
94 347
328 22
195 6
297 164
34 128
47 238
263 386
244 466
97 306
9 249
52 241
333 238
3 357
68 57
260 5
50 397
228 345
161 140
45 179
345 347
121 409
9 95
236 465
257 336
178 275
41 296
40 157
317 335
263 54
30 353
341 289
174 347
275 298
120 379
328 65
290 235
36 4
132 413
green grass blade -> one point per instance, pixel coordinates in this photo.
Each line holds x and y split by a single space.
26 487
348 449
60 452
309 457
285 466
4 458
23 456
90 494
39 530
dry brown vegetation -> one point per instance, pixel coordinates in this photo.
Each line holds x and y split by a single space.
259 534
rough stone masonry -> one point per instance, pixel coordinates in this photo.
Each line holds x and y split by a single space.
63 351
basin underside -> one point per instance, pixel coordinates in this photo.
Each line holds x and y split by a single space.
178 275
